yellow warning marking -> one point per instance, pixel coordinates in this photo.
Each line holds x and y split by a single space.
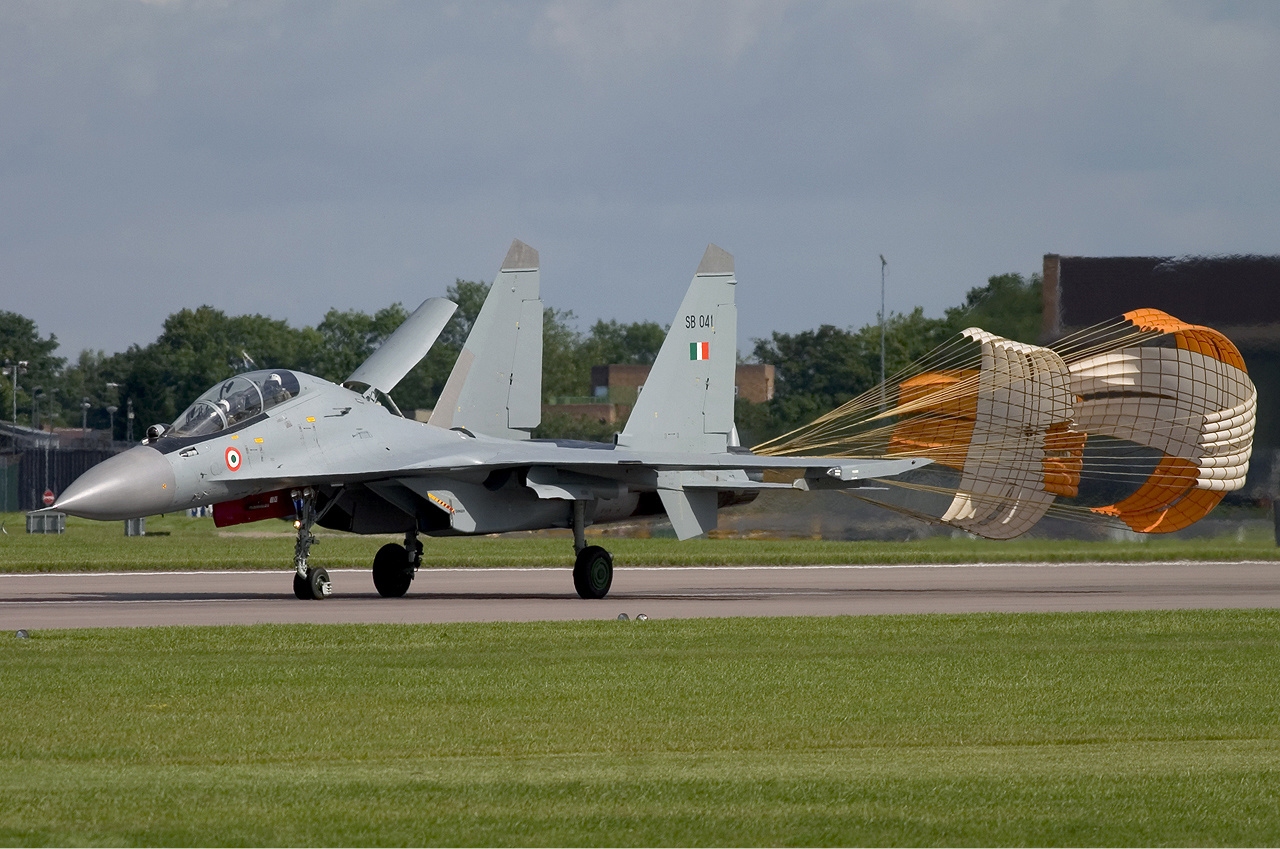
443 504
235 436
311 418
258 439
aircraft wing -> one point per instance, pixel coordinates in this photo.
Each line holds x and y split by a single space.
690 487
471 456
481 479
604 460
477 458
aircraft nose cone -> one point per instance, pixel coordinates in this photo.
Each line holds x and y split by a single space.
137 483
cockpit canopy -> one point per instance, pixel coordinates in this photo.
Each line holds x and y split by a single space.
235 401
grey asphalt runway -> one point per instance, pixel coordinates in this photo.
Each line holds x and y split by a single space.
85 600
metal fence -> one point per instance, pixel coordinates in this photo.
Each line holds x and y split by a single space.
9 464
26 474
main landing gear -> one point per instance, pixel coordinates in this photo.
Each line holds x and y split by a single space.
395 565
593 567
308 582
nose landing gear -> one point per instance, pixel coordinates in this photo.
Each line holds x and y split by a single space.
308 582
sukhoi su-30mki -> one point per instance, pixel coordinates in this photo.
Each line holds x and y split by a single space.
276 443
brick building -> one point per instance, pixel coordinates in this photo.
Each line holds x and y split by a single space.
621 383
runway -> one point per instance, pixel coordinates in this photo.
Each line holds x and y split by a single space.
117 599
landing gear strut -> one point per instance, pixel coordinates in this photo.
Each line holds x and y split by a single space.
308 582
593 567
395 565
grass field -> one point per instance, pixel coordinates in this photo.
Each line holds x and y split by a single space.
177 542
1087 729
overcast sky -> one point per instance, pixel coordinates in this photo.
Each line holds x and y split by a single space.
285 158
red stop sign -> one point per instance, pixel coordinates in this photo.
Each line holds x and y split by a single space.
49 498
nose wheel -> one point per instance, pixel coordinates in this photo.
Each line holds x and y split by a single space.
315 584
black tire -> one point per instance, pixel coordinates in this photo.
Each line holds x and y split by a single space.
301 588
593 572
392 572
321 586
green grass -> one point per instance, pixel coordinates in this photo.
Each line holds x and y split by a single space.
186 543
1085 729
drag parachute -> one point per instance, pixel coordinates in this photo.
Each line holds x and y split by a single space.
1146 420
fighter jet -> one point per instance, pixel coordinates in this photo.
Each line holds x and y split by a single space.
276 443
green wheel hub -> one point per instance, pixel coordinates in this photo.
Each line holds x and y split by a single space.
593 572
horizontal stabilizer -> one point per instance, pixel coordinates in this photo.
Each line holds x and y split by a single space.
692 513
406 347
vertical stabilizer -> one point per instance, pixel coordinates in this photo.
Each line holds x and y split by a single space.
495 387
687 401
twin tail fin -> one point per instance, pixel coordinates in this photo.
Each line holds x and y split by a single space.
495 387
686 404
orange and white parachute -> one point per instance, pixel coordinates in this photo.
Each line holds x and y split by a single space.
1181 391
1146 419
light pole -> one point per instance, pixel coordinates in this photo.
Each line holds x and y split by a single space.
35 407
111 410
129 414
15 369
84 415
51 406
883 265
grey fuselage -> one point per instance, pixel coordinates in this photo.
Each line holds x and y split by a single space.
375 472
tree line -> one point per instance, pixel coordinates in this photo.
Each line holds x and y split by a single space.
816 370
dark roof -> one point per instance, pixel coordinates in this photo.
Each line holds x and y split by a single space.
1220 291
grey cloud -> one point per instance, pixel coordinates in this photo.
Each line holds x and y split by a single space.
284 157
